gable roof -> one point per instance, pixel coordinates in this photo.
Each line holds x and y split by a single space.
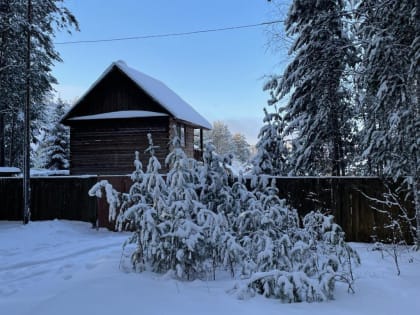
158 91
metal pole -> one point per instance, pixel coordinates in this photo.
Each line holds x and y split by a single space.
26 148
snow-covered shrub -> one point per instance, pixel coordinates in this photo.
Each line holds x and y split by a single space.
147 203
290 260
198 222
397 225
289 287
113 197
182 241
215 194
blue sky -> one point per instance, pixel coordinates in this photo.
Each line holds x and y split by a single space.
220 74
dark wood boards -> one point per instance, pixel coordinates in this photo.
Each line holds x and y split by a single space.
108 147
115 92
51 198
343 197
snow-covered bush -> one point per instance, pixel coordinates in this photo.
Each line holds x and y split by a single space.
290 260
198 222
113 197
182 242
301 265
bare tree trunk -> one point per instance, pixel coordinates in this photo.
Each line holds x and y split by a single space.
337 143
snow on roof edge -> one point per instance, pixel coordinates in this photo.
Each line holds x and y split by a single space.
119 115
9 169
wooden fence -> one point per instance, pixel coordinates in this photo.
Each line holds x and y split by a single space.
67 198
345 198
51 198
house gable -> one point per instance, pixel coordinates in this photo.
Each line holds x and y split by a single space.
121 88
114 92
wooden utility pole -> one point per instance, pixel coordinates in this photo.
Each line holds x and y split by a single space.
26 148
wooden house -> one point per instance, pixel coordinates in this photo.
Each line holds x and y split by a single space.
111 121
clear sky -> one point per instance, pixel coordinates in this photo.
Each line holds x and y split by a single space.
220 74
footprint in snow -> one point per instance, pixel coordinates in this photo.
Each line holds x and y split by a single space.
90 266
7 291
63 268
67 277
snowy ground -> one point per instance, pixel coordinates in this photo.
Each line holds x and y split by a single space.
63 267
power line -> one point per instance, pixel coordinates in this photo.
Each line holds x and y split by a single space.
169 34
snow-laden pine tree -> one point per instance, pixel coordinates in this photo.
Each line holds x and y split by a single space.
195 224
273 156
55 151
215 194
182 245
139 209
214 182
287 261
47 17
318 112
149 192
388 79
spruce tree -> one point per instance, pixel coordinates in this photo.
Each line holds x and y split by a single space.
389 83
146 204
318 113
182 242
47 17
215 194
273 156
55 150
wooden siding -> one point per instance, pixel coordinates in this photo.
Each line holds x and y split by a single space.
189 136
189 141
115 92
106 147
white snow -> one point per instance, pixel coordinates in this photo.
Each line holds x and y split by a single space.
67 268
46 172
7 169
120 114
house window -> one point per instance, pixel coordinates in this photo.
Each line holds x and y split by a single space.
181 133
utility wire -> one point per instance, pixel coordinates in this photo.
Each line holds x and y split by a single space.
169 34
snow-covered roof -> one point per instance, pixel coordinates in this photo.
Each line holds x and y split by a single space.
120 114
7 169
157 90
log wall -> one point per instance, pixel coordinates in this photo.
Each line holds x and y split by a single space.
107 147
